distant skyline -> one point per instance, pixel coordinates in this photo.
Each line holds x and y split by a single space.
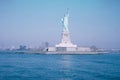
31 22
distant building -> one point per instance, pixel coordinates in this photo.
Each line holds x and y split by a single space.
22 47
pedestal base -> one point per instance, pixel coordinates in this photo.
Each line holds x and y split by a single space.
65 41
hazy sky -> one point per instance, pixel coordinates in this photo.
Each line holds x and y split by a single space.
30 22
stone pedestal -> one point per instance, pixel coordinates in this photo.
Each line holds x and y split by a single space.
65 41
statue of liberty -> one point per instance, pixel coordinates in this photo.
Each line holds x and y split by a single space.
65 39
65 22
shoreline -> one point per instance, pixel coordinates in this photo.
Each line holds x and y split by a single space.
54 52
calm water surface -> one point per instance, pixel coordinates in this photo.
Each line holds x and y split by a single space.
59 67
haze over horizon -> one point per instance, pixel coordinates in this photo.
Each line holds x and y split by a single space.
31 22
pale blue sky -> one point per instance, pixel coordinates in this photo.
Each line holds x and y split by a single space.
30 22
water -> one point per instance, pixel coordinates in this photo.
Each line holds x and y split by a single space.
59 67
